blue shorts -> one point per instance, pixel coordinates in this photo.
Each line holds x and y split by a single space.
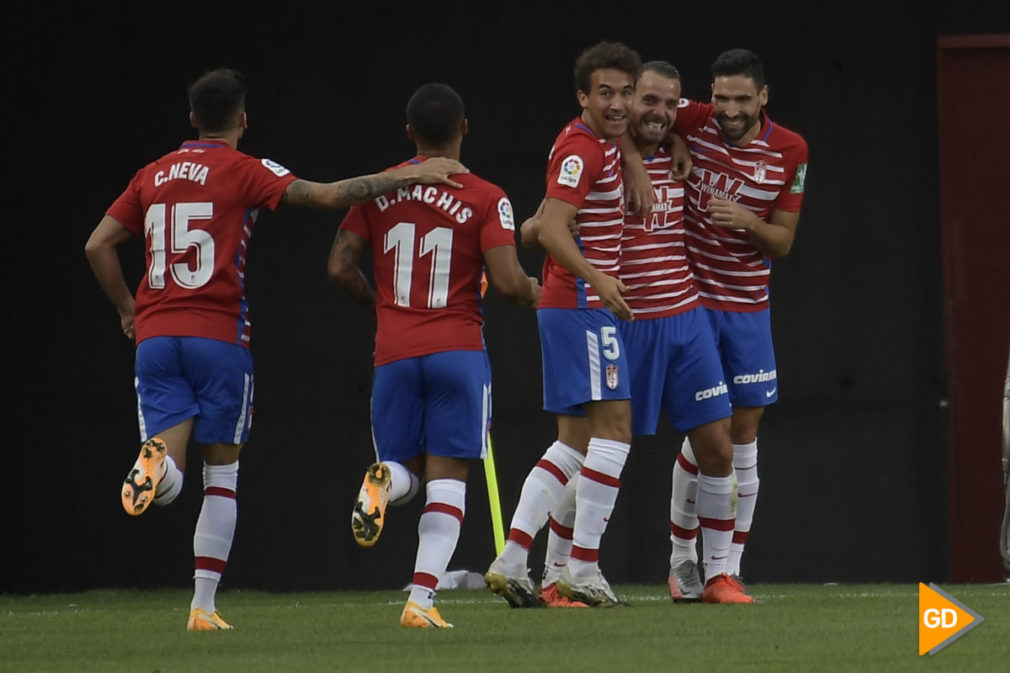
207 380
437 404
674 368
748 357
583 359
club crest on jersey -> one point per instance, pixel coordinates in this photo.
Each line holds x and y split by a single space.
571 171
760 171
505 215
275 167
612 377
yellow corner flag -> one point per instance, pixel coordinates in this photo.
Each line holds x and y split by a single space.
942 619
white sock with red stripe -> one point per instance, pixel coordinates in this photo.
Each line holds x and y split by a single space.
403 484
215 530
170 485
745 458
437 535
541 492
683 507
716 515
595 497
559 534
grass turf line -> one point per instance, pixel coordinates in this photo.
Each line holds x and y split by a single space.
860 628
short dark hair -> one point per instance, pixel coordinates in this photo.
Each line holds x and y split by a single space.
740 62
217 98
604 55
663 68
435 112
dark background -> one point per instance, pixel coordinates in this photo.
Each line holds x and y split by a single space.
853 456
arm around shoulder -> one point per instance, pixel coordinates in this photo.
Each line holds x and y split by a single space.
352 191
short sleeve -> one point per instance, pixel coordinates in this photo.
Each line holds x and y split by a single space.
356 222
575 165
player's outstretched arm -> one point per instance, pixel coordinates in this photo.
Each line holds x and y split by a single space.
344 271
508 277
346 193
104 260
557 240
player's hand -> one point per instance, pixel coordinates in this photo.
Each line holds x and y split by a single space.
573 227
126 323
730 215
638 193
610 290
436 170
680 158
534 290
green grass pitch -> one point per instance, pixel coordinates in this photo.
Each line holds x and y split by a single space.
864 628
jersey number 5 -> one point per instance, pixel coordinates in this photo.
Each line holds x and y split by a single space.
176 238
437 243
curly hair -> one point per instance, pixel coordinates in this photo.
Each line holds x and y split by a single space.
605 55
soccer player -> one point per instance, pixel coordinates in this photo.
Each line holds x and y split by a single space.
585 368
672 354
431 394
743 205
196 207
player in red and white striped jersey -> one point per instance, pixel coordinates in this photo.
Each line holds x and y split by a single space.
431 397
586 382
674 361
743 206
196 208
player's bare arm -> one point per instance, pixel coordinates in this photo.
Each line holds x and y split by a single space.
344 271
681 157
346 193
104 260
556 239
529 232
638 192
774 238
509 278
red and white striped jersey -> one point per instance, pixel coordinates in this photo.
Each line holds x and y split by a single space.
654 263
196 207
585 171
765 175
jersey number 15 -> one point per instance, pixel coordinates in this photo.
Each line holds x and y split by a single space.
177 239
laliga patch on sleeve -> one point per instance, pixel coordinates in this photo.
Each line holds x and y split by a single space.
800 181
571 171
275 168
683 102
505 214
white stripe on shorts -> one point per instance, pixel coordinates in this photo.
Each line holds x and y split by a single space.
593 351
246 393
485 421
140 412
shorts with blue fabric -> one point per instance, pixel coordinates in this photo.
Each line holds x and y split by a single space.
583 357
438 404
210 381
745 345
675 369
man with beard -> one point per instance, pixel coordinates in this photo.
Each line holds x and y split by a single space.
743 202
